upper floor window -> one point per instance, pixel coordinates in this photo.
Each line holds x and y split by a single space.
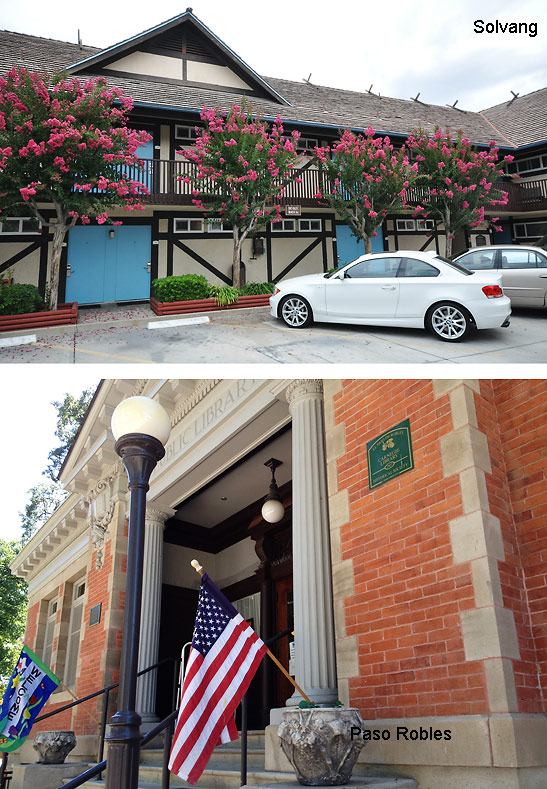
307 144
188 225
284 226
186 133
218 226
410 225
13 225
47 649
310 225
530 229
530 164
74 631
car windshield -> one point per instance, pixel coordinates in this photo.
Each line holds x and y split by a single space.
454 265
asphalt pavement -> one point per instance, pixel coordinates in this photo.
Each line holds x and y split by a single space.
253 336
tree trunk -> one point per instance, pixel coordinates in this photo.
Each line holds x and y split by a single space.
236 266
448 233
368 245
57 248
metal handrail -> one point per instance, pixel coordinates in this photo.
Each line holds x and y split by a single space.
244 726
168 723
106 689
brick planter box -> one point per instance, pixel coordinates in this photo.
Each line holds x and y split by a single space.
65 313
205 305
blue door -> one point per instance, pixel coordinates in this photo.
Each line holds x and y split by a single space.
350 249
108 264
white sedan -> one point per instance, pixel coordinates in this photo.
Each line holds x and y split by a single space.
408 289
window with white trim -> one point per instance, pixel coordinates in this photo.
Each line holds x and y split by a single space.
218 226
531 164
183 225
406 225
74 631
186 133
425 225
307 144
310 225
284 226
49 632
530 229
16 225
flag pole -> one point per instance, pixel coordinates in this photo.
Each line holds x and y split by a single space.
199 569
64 687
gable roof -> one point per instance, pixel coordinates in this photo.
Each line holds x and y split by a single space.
519 123
524 119
178 24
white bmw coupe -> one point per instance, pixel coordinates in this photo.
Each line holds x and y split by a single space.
407 289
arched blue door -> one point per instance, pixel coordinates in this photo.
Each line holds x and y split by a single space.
108 264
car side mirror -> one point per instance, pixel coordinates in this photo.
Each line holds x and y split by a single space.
342 274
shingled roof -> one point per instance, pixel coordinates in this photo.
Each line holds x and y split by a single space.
511 126
523 120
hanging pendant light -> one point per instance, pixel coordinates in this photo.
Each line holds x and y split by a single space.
273 509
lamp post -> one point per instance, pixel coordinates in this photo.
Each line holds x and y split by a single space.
141 427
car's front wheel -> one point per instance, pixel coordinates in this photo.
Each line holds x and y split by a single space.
295 312
449 322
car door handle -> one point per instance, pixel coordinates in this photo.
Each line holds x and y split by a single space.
388 287
543 276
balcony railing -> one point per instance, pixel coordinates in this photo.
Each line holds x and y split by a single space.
163 177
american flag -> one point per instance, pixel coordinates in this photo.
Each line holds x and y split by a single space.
224 656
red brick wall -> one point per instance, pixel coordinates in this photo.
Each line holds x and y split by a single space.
408 593
520 489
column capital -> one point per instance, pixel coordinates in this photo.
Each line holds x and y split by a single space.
157 516
304 389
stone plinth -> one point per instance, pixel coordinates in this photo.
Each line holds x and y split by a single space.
318 744
45 776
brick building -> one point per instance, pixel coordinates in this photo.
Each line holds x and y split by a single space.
418 597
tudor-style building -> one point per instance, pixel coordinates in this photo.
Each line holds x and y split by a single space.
175 69
421 600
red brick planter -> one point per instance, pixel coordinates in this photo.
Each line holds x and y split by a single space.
65 313
206 305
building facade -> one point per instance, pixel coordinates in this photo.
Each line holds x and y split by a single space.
180 66
416 592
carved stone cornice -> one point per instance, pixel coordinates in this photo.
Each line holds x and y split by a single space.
203 388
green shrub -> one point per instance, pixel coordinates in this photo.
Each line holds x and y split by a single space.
224 294
183 288
16 299
257 288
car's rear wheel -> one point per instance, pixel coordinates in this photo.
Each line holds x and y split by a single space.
295 312
449 322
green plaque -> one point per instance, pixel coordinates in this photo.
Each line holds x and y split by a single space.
390 455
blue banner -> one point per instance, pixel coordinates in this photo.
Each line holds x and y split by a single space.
30 686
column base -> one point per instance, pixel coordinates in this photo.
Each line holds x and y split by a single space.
324 697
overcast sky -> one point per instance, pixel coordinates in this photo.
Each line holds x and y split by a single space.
28 432
400 47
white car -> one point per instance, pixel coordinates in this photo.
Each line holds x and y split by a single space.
408 289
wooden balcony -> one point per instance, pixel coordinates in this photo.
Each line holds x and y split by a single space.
163 179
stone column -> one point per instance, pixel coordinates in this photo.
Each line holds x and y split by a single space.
313 606
151 612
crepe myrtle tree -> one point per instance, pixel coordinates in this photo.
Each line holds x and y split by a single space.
65 144
241 171
458 180
367 179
